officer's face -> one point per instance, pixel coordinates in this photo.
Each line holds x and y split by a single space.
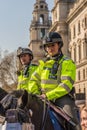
25 59
84 119
52 49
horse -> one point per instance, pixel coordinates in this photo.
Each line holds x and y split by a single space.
45 116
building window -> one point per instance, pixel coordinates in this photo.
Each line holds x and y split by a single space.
79 50
78 75
46 7
41 19
69 34
74 53
42 33
86 21
41 6
86 36
79 27
86 44
86 72
74 32
36 7
83 73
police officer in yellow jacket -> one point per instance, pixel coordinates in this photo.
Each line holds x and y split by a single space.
25 56
55 77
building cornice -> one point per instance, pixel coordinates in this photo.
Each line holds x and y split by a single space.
34 41
53 28
56 24
81 64
80 81
76 10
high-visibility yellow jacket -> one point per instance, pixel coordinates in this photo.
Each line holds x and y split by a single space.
42 81
23 81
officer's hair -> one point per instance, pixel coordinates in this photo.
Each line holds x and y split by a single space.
84 108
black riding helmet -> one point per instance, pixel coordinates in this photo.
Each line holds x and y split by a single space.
22 51
52 37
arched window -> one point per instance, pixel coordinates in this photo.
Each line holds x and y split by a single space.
86 72
74 31
84 88
36 7
79 75
83 73
85 21
74 52
86 42
41 6
79 50
41 19
42 33
79 28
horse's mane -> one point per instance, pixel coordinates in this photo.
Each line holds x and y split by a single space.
37 107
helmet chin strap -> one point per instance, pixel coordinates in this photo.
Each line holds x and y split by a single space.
57 56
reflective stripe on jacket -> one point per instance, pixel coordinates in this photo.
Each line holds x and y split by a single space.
24 81
54 86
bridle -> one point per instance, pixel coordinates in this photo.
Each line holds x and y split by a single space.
45 114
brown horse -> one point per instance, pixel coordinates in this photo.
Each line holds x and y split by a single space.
43 116
40 117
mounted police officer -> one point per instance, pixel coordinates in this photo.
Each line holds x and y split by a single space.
55 77
15 110
25 56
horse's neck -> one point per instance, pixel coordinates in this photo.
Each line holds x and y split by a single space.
37 107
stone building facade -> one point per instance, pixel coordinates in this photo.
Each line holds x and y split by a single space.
77 26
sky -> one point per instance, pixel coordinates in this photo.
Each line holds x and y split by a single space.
15 20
